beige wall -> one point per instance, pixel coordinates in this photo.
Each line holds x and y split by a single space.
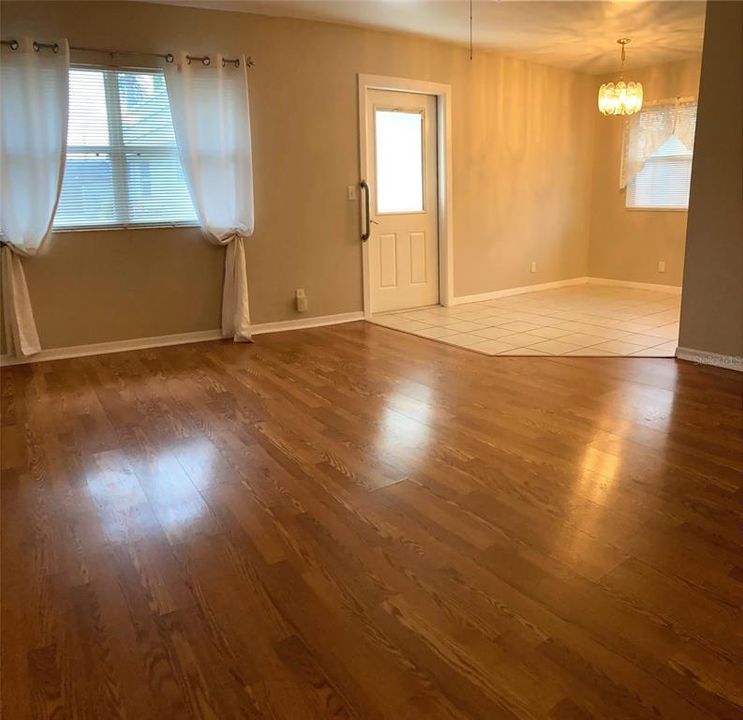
627 244
521 166
712 302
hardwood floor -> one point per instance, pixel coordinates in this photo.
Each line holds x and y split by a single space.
352 522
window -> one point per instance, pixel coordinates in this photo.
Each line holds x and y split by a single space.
399 148
660 147
663 182
122 164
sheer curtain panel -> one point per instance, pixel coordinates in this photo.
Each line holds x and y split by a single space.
33 138
648 129
211 117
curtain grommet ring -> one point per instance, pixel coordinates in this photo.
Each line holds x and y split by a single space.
206 60
55 48
169 58
13 45
36 46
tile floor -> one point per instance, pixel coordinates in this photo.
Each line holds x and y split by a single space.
590 320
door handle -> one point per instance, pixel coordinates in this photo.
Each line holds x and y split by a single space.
366 234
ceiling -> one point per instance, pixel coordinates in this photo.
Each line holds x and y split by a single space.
576 35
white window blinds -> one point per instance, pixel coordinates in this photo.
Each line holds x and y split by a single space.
658 151
663 182
122 164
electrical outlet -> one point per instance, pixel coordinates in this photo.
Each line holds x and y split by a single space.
300 297
533 266
351 190
661 266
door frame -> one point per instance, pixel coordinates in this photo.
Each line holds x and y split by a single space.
444 174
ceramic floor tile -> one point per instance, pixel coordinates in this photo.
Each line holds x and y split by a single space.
666 315
465 314
420 315
606 332
646 327
449 321
588 320
567 315
517 326
664 350
548 333
506 317
644 340
582 339
522 339
463 339
571 326
527 317
632 327
436 332
443 321
465 326
447 311
553 347
491 347
480 314
492 333
619 347
597 321
670 331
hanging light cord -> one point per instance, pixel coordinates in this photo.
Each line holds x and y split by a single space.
623 43
470 29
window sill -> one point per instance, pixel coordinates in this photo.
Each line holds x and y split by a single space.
105 228
657 209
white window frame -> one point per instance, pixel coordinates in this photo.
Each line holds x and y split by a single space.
118 160
672 158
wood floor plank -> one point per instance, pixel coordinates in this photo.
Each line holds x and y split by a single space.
355 523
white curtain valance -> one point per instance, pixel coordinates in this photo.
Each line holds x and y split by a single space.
648 129
33 140
211 118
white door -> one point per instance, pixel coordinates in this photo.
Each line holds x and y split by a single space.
403 270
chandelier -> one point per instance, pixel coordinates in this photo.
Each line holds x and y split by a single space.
620 98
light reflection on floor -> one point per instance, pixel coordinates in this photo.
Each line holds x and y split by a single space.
406 419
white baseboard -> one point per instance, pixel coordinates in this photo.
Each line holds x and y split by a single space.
675 289
180 339
311 322
494 294
702 357
115 346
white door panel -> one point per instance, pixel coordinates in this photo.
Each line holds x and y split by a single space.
388 260
402 168
418 258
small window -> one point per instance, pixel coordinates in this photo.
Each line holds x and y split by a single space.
663 183
122 165
658 151
399 149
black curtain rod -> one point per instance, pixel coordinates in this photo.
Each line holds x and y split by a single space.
168 57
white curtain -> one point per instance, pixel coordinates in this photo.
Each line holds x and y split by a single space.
648 129
33 138
211 117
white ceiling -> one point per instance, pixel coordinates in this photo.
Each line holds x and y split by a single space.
576 35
